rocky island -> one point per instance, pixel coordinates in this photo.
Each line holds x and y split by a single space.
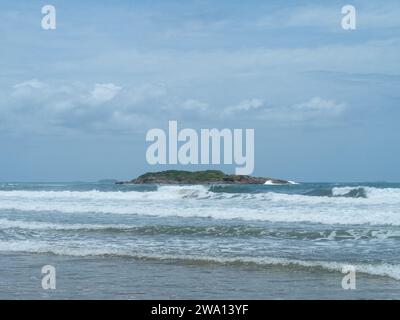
199 177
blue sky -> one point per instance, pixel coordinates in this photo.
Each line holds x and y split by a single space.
76 102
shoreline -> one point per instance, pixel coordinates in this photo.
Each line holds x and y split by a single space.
123 278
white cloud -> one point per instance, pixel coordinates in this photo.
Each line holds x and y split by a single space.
34 106
92 108
104 92
43 108
31 84
244 106
28 88
317 104
315 109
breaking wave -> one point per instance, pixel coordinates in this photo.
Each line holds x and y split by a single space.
335 205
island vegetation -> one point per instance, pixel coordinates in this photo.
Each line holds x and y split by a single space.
199 177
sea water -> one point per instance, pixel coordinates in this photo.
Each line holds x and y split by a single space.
222 241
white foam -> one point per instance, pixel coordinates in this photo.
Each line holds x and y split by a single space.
272 183
382 206
36 225
341 191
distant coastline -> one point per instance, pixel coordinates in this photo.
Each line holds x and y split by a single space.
199 177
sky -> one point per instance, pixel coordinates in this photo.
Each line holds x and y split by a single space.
76 102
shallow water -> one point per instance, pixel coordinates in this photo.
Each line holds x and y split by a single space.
124 278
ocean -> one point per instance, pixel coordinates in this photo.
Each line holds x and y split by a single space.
110 241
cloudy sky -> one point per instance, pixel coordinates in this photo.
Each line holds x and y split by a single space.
76 102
